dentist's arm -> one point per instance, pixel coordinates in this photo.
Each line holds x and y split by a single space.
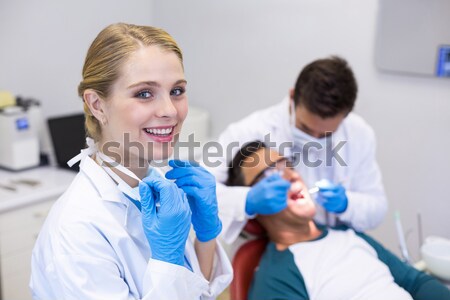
205 254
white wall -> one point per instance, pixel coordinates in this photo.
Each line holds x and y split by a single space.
245 55
43 45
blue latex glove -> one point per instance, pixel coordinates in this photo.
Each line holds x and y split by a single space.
200 188
332 196
167 228
267 197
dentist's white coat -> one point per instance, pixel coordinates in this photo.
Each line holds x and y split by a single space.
93 246
367 203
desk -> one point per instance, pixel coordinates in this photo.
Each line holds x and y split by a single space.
23 209
52 182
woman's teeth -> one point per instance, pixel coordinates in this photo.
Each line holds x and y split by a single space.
159 131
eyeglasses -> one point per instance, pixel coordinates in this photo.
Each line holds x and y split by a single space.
277 167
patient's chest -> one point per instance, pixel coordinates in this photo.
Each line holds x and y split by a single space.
344 266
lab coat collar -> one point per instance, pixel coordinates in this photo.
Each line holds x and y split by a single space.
104 184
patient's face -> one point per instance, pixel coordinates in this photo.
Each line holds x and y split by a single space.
264 163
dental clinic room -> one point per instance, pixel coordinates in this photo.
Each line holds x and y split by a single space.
231 150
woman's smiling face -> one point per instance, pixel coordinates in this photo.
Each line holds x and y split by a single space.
146 107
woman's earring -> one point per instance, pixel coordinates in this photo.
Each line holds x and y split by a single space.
103 121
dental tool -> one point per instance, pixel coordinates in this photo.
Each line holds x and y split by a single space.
316 189
329 218
8 187
313 190
401 238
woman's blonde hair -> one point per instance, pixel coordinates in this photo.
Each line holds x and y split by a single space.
108 53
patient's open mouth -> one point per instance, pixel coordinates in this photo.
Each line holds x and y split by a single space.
297 194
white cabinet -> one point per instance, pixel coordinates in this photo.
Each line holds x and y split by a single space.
18 232
22 214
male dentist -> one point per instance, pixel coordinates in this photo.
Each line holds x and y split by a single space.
332 147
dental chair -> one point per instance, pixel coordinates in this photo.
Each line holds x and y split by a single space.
246 260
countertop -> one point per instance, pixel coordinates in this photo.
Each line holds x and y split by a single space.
32 186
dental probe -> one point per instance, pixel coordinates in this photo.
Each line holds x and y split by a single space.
315 189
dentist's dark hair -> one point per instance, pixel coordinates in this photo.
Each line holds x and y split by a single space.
326 87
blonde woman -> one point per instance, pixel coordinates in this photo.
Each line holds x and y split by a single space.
121 229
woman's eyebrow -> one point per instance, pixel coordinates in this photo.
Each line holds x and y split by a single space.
148 83
154 83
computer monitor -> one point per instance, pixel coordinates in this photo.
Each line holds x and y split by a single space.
68 137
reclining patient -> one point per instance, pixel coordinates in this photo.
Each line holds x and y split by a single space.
307 261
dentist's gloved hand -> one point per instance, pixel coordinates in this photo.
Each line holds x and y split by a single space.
332 196
200 187
267 197
168 228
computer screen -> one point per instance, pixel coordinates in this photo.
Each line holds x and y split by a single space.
68 138
443 64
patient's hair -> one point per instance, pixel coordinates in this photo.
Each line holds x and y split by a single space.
235 176
326 87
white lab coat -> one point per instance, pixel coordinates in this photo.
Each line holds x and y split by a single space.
361 177
92 246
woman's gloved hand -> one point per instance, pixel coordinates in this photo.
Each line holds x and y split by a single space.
200 187
166 228
267 197
332 196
